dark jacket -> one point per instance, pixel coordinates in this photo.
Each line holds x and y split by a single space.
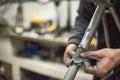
85 12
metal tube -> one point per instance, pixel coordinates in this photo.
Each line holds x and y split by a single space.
71 72
115 15
95 1
106 31
93 25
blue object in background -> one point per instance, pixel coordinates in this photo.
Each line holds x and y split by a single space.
31 50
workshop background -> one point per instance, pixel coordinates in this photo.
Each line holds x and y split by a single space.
33 38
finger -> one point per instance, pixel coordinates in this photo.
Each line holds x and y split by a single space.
100 69
71 53
87 64
90 69
67 56
91 54
68 61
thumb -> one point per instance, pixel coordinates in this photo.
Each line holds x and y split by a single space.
89 68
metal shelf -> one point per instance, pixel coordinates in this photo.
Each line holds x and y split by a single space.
51 69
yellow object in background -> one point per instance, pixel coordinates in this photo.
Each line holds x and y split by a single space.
93 42
36 20
52 28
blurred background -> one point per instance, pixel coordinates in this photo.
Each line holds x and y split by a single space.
62 13
33 38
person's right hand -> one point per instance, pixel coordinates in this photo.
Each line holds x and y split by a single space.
69 52
107 59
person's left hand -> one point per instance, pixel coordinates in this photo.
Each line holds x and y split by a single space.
107 59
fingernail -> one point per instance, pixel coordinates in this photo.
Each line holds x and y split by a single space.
82 54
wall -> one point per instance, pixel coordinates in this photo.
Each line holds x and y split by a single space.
47 11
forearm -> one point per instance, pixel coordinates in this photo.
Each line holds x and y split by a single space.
85 12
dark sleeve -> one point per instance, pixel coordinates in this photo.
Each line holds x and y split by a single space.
85 12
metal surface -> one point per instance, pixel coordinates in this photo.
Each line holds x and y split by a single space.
115 17
106 31
93 25
96 1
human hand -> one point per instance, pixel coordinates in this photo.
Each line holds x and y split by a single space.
69 52
107 59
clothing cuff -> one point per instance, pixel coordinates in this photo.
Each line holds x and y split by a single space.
74 41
